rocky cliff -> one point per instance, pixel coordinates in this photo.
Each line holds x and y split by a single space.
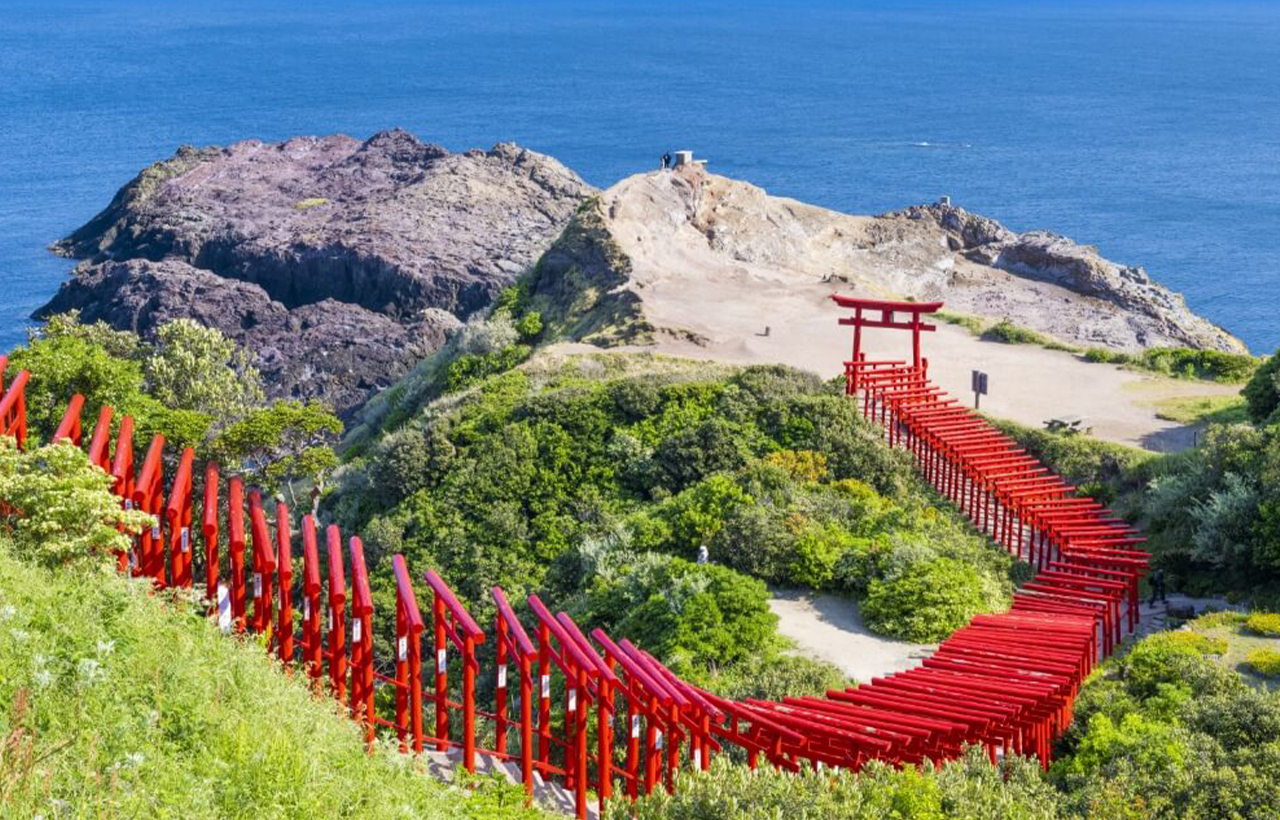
690 255
339 262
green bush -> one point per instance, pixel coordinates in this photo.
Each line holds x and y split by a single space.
1102 355
1264 662
818 549
470 368
925 601
59 507
686 613
1263 391
1212 365
1159 658
1264 623
966 789
1007 332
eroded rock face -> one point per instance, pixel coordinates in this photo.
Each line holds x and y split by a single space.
1153 314
288 246
329 350
696 256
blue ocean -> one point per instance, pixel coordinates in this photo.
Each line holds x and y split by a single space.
1148 129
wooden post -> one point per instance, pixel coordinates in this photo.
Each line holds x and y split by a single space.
235 548
337 615
284 562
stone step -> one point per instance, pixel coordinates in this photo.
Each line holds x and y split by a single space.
549 794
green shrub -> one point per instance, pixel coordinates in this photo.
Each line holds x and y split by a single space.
1264 623
802 465
470 368
966 789
818 549
1160 659
1102 355
59 507
925 601
1212 365
687 614
1263 391
1009 333
1264 662
772 676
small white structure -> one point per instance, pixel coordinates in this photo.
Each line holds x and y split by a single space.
683 158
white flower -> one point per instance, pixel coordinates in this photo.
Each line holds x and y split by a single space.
7 611
106 647
18 635
90 670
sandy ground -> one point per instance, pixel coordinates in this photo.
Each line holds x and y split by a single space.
753 262
827 627
1027 384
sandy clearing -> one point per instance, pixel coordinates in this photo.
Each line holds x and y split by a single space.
1028 384
828 628
733 261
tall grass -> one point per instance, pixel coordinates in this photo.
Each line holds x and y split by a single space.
118 703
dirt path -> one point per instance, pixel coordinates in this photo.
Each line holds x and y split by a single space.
827 627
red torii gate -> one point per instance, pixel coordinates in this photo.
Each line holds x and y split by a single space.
887 309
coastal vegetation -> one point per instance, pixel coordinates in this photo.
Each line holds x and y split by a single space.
1212 513
567 473
596 481
1174 362
191 384
116 702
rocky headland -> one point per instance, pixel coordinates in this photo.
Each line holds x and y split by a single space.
340 263
679 253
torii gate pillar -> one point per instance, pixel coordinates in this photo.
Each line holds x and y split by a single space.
886 309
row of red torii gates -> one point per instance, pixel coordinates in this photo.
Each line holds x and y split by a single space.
1004 681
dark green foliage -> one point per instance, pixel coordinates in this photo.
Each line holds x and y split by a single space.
1263 391
470 368
692 615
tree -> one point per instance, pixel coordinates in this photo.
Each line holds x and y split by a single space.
1263 391
64 364
197 368
283 443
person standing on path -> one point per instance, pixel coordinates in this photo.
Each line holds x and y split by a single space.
703 555
1157 587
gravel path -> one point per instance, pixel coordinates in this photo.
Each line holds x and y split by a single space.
828 628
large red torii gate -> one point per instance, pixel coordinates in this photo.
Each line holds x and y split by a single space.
887 309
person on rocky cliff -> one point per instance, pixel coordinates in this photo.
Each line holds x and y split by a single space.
666 161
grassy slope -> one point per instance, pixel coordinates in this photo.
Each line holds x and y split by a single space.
117 704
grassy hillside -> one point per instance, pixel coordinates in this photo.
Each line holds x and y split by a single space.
116 703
